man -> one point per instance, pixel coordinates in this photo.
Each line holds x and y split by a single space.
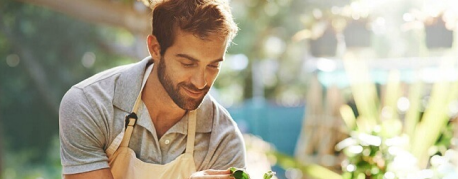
173 127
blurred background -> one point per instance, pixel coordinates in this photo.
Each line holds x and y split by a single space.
320 88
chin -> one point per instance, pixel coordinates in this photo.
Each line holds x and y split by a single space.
191 104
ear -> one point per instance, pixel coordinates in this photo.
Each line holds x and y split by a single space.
153 47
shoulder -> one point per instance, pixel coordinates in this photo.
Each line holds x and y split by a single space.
103 88
219 112
91 99
211 115
97 88
223 124
107 75
215 116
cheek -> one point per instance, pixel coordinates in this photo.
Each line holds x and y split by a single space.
211 76
177 75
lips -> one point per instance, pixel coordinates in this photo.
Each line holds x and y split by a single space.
193 94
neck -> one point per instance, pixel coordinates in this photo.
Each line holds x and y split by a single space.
162 109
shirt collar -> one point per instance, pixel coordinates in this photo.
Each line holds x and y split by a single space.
128 85
204 119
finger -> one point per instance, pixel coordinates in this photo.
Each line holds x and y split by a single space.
213 177
217 172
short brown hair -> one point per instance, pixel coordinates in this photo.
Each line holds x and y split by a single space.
200 17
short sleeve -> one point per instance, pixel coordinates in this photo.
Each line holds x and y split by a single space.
81 135
230 152
228 144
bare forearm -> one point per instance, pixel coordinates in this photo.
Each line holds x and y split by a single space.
99 174
212 174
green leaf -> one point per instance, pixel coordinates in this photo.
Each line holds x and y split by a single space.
239 173
233 169
269 175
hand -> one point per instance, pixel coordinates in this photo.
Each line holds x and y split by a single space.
212 174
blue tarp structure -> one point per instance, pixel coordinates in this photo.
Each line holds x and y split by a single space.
278 125
275 124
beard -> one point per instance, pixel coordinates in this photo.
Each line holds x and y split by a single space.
181 100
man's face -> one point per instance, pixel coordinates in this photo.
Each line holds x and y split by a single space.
189 67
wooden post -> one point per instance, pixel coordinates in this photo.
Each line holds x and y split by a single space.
331 122
321 129
306 145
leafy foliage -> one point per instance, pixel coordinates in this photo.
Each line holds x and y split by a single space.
242 174
29 102
381 145
269 175
239 173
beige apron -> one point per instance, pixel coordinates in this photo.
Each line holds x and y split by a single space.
125 165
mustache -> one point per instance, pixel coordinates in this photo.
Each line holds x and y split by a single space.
193 87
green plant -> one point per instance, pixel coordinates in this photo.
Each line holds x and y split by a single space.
242 174
385 143
239 173
258 147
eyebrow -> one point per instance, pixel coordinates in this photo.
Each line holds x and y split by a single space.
195 60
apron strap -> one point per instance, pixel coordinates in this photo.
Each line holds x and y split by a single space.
191 132
131 119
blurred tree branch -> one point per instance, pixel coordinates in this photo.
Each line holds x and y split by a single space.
101 12
35 70
135 51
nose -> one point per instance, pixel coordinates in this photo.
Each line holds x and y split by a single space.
198 79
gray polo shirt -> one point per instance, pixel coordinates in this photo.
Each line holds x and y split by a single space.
92 114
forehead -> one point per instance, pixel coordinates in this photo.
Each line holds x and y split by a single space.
211 48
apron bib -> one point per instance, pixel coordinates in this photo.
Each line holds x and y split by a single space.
125 165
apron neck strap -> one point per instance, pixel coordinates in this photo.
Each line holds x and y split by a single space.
131 119
191 131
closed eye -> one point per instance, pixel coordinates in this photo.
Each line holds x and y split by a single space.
188 64
215 65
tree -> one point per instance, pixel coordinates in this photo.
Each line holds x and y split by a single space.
259 21
110 13
39 69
